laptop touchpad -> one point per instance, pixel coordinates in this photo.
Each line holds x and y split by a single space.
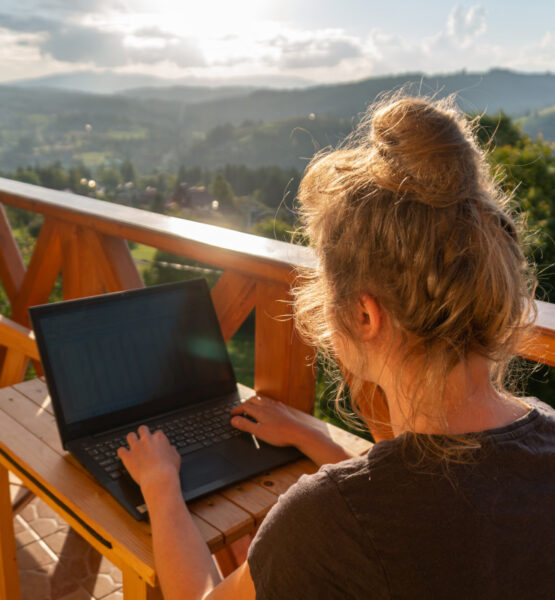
197 471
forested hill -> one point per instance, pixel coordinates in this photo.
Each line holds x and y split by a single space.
164 127
514 93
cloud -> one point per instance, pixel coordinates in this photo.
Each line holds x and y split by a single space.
74 43
457 45
321 48
107 34
464 25
153 32
84 44
182 52
27 24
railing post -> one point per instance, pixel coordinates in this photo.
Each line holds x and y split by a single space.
284 364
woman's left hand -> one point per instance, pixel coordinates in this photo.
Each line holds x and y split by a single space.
150 459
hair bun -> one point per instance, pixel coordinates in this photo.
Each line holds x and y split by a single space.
423 152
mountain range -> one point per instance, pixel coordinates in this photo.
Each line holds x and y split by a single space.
162 126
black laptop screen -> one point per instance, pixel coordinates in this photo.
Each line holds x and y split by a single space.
133 354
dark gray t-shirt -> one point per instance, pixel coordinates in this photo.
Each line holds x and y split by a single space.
377 527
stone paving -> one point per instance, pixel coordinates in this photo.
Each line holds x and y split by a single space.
55 563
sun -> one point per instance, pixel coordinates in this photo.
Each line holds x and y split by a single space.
211 18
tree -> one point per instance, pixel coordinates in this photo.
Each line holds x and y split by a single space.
223 192
127 171
498 130
526 170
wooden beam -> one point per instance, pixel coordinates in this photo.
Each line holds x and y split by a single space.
71 276
14 368
284 366
136 588
16 336
9 577
539 345
224 248
79 263
12 269
41 273
234 297
115 264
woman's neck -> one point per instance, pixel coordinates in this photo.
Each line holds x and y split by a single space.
470 403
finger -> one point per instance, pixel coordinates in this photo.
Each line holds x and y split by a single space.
159 434
144 431
122 452
262 400
244 424
250 409
132 439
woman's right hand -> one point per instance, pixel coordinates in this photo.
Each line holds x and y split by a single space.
272 421
282 425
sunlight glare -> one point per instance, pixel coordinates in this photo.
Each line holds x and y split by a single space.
210 18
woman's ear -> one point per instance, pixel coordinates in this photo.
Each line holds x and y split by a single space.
369 317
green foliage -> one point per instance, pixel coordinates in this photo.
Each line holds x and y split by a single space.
540 123
168 268
223 192
527 170
273 229
498 130
127 171
109 176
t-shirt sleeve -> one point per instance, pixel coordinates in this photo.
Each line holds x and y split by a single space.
310 546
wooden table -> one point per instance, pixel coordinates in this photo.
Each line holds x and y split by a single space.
31 449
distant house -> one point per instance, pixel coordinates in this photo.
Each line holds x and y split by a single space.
193 197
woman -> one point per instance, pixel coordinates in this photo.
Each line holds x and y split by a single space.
423 291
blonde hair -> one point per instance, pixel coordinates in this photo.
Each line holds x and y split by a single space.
407 212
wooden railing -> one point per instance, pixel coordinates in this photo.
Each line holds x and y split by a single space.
86 241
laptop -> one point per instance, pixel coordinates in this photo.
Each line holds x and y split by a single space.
152 356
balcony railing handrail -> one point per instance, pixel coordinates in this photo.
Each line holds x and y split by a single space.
154 229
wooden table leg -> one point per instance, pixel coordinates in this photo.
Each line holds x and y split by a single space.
9 576
135 588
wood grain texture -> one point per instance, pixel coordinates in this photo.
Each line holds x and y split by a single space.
9 577
14 367
37 391
221 247
234 297
71 274
277 481
41 273
251 498
283 367
228 518
136 588
540 344
12 269
117 267
37 421
16 336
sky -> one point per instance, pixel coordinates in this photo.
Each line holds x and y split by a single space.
320 41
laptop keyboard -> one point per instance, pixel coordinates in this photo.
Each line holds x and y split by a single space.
186 432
